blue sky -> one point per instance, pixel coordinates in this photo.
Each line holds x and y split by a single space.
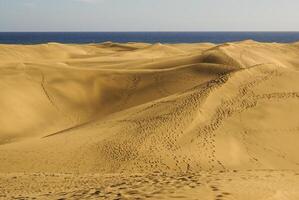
149 15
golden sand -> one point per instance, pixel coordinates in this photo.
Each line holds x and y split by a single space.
136 120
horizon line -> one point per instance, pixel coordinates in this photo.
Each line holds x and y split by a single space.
225 31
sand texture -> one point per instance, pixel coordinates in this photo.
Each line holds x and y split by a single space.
159 121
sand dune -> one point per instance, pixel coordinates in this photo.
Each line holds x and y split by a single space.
141 108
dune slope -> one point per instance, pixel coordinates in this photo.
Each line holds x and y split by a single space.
141 108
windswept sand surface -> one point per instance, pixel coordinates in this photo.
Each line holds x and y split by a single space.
129 121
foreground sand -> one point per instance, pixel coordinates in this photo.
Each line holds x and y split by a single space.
175 121
216 185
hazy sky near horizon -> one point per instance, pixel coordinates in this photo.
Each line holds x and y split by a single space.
149 15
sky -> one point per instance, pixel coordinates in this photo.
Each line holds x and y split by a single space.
149 15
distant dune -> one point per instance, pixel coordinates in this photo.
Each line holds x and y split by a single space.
141 108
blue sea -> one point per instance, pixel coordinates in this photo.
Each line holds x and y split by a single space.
148 37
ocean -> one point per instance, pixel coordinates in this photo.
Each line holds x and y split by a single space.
147 37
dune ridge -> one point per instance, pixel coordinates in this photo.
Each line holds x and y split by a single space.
142 108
